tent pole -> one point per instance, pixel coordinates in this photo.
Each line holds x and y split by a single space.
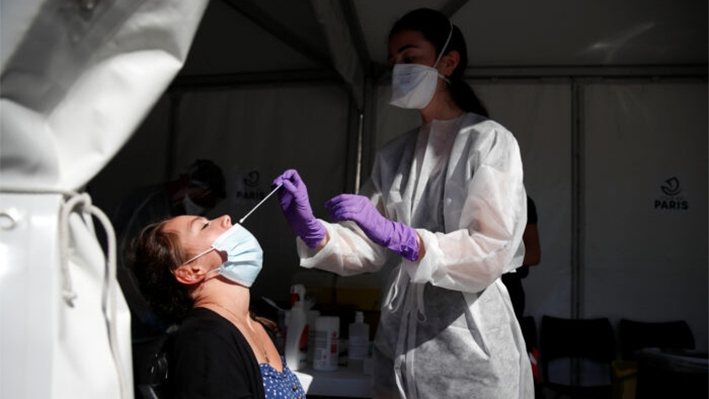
577 203
358 167
369 144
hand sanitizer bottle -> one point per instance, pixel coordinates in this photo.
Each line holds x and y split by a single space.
358 346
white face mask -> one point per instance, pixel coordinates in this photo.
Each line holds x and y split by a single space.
191 207
413 85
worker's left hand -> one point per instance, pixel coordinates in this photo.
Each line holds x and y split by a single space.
398 237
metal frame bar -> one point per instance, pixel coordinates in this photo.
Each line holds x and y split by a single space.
577 201
210 82
271 25
452 7
630 71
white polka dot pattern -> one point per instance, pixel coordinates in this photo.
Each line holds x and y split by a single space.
279 385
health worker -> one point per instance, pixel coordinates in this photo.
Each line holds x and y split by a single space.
445 200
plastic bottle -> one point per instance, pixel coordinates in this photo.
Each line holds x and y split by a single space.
312 316
327 343
296 352
358 348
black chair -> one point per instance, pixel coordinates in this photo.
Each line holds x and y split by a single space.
636 335
580 343
150 367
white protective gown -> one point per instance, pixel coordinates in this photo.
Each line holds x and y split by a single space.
447 329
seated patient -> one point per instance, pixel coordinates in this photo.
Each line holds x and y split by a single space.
199 271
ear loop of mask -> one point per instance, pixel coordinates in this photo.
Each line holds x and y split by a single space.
199 255
443 50
192 259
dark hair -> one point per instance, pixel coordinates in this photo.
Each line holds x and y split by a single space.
435 27
154 255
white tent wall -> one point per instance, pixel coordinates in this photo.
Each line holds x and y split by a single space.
607 251
645 236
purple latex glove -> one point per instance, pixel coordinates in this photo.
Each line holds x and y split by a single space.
398 237
293 197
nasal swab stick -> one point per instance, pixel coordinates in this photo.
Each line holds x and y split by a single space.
241 221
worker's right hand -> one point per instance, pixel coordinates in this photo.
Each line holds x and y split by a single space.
295 203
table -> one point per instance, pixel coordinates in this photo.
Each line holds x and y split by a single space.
672 373
339 383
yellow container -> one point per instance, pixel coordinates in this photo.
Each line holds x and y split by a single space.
624 378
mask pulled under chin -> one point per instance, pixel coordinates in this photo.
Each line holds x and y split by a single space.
244 255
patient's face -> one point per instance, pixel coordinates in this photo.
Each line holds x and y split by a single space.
197 233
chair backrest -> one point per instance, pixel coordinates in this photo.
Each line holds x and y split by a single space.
150 367
589 339
636 335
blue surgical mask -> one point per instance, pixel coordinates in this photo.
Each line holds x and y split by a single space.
244 255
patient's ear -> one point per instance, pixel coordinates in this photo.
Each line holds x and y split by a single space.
190 274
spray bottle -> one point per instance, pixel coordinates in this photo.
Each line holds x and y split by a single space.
297 330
